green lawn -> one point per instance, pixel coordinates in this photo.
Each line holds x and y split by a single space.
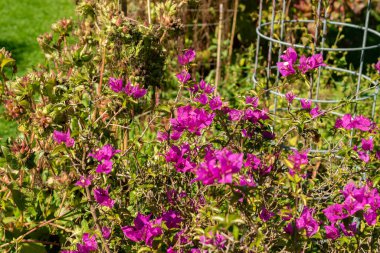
21 21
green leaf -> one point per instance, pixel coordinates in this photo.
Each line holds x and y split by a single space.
19 199
32 248
164 108
6 61
144 249
235 232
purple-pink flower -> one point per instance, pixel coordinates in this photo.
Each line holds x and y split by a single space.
61 137
104 153
377 66
131 90
180 157
290 97
205 87
105 167
247 181
315 112
252 161
286 68
364 200
350 230
351 205
219 166
364 156
106 232
305 104
187 57
298 159
318 60
172 219
217 240
359 122
367 144
307 222
202 98
290 55
191 119
254 116
116 84
89 244
84 181
289 228
254 101
370 216
144 229
265 215
215 103
102 197
303 66
335 212
309 63
332 232
162 136
135 90
234 114
183 77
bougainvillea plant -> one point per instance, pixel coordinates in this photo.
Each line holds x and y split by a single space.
105 163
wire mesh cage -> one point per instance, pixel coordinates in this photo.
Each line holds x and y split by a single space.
342 86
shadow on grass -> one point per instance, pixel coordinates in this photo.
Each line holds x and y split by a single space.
18 49
9 128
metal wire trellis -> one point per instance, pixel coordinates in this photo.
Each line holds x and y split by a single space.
277 33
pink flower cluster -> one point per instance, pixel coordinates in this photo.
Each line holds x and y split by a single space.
377 66
217 240
290 97
202 87
190 119
84 181
89 245
219 166
62 137
183 240
265 214
206 89
364 201
254 116
290 56
187 57
255 164
183 77
366 149
306 222
104 156
131 90
314 112
180 157
103 198
298 159
146 230
359 122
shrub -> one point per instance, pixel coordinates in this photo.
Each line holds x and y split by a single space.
104 164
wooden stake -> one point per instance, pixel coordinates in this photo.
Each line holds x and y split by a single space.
124 7
233 32
148 3
217 79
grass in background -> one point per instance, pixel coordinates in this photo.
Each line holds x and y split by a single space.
21 22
